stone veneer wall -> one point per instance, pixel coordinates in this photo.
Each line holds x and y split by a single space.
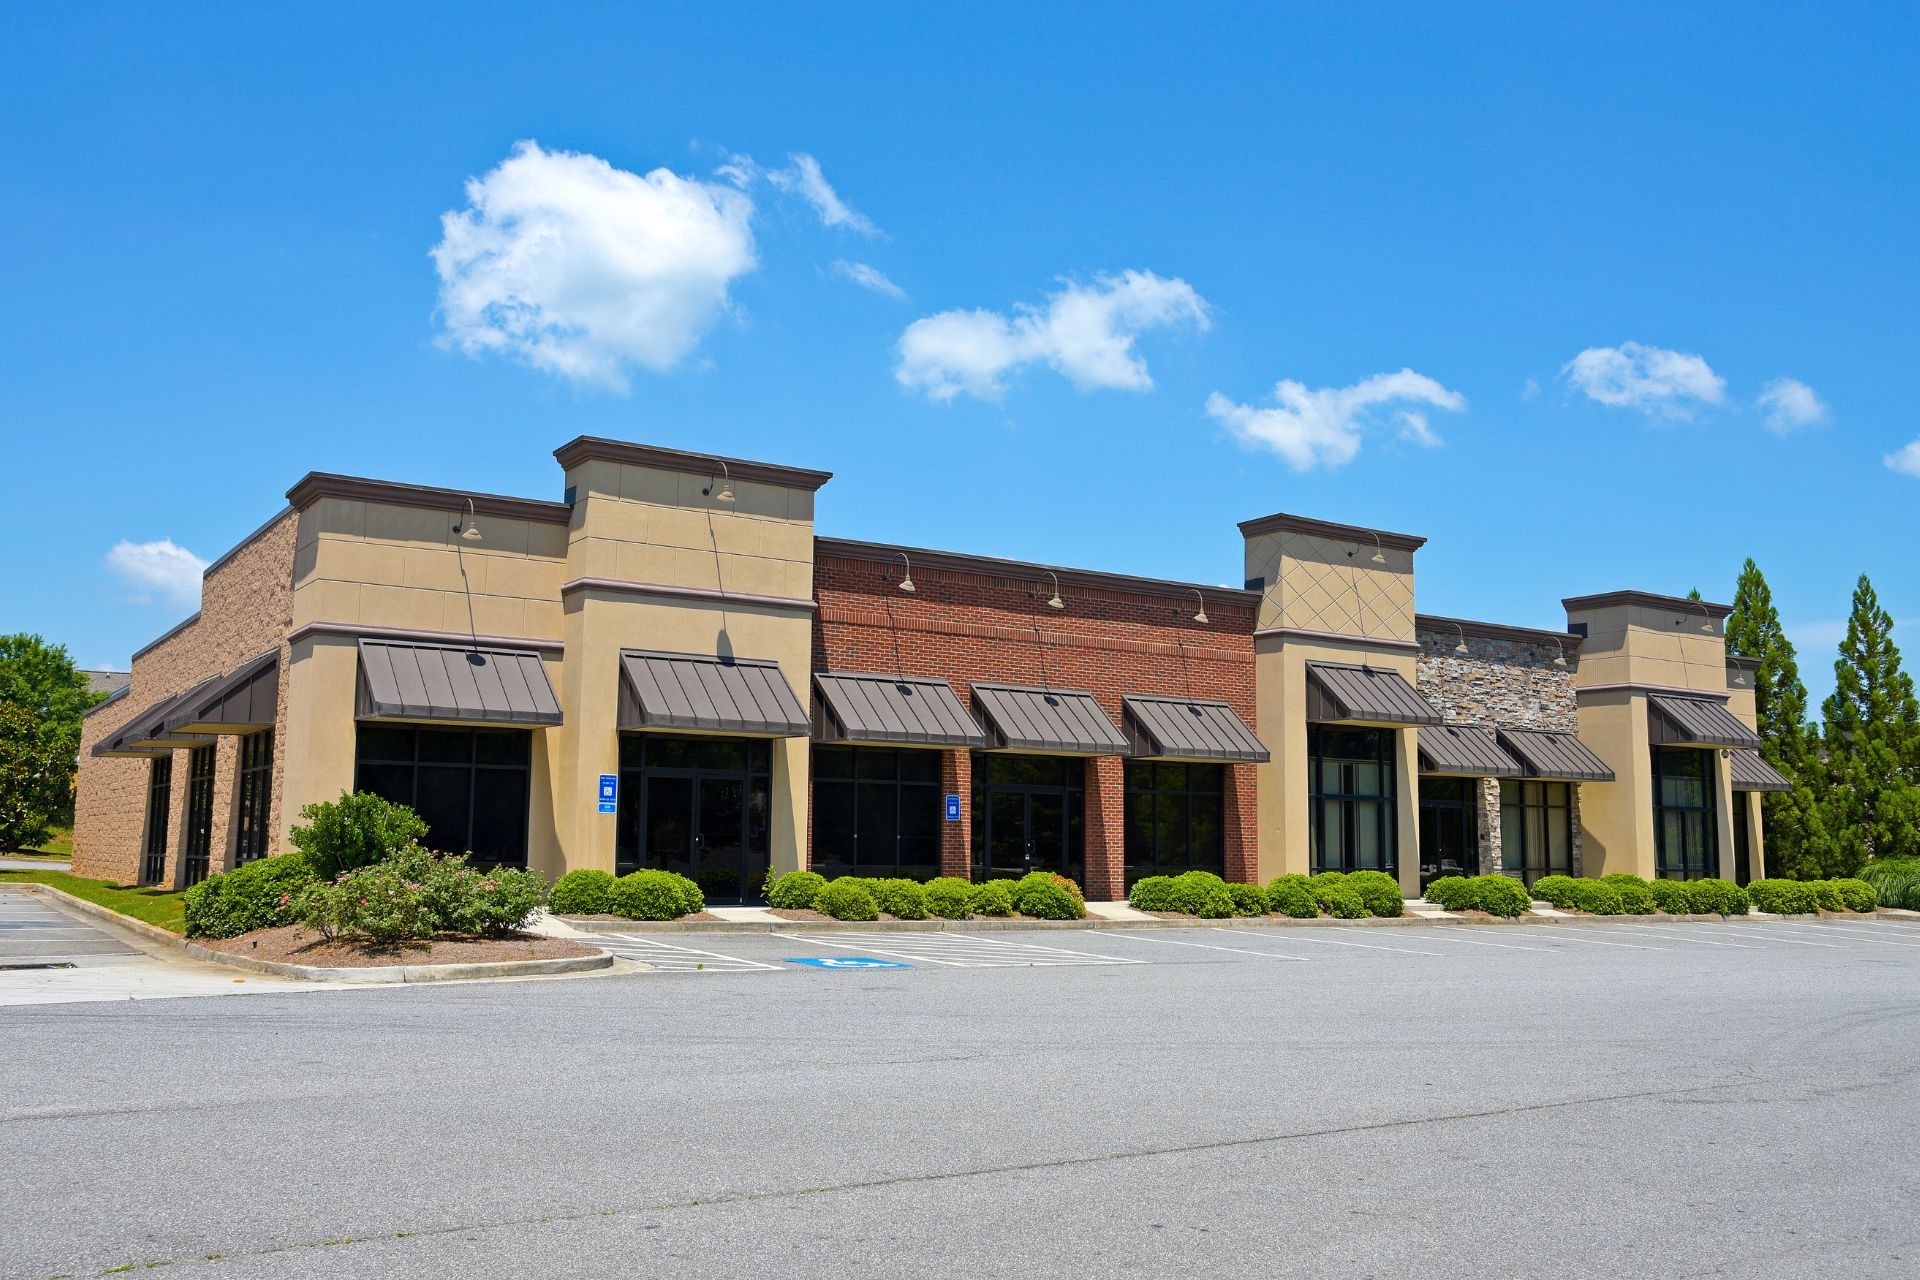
1506 683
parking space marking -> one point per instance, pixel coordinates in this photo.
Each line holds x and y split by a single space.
1671 931
1448 935
1298 935
1829 928
1761 931
1595 942
665 957
1131 936
968 951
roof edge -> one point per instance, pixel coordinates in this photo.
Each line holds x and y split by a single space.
1281 521
964 562
316 485
1651 599
1497 630
164 636
585 448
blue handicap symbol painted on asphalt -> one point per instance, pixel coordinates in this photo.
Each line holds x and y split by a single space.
846 962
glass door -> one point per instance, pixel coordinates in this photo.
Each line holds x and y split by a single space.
1047 832
669 825
720 839
1448 843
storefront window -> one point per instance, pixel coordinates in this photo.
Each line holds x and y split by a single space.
470 786
1350 810
1536 829
1175 818
1685 835
876 812
250 810
153 861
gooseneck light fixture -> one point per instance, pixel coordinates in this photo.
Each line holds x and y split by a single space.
1379 555
1200 617
1461 648
1559 659
725 493
466 528
906 580
1054 601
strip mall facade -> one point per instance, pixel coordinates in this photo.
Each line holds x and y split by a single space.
670 668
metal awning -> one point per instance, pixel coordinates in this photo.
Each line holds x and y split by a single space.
1188 729
1057 721
1554 755
145 734
243 701
1695 722
1750 773
698 693
1342 694
1465 750
917 711
453 684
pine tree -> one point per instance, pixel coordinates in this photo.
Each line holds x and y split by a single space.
1870 798
1796 841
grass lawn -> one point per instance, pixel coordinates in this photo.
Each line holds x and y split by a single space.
155 906
60 843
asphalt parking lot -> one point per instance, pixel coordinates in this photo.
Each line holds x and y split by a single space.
1660 1100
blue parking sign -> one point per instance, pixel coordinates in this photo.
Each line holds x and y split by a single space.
953 808
609 793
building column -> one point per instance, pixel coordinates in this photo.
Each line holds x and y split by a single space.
1240 824
956 838
1105 829
1487 815
1406 786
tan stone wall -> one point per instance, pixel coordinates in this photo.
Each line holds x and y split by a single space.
246 602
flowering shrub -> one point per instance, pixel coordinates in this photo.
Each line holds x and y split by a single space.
354 831
255 895
414 893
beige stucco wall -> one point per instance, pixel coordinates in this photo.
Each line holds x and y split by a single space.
1320 583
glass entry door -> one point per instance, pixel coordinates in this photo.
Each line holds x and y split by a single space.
698 807
1449 830
1027 816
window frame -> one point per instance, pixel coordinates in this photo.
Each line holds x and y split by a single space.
1349 802
196 852
475 769
153 845
1685 866
1528 809
872 773
1154 784
253 797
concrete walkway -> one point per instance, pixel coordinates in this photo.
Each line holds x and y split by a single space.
35 864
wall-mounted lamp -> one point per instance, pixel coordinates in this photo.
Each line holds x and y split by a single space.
726 487
1054 601
1379 555
1706 616
1461 648
1560 659
467 529
1200 617
906 580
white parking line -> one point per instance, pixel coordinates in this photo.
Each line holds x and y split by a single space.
1670 932
1828 928
1560 936
1131 936
1299 935
666 957
1762 932
1448 935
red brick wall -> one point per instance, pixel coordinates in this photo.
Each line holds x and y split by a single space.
965 626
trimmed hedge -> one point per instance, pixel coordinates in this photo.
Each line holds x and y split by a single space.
796 890
1451 893
947 897
654 895
1636 895
1248 899
1155 893
1341 902
1501 896
1856 895
847 899
580 893
1379 893
1046 896
1782 897
1671 896
1802 897
901 899
1289 896
1598 898
1713 896
255 895
994 898
1557 890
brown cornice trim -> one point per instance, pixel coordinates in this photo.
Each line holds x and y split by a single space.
990 566
1282 522
107 701
316 485
1651 599
244 543
1336 637
164 636
1496 630
356 631
706 594
1650 690
584 448
1736 662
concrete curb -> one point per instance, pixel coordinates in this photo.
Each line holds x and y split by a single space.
368 974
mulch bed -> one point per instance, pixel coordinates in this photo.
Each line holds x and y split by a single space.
293 944
698 917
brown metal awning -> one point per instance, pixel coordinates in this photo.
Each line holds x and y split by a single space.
1750 773
145 734
1695 722
242 701
1064 722
1465 750
696 693
1342 694
897 710
454 684
1188 729
1553 755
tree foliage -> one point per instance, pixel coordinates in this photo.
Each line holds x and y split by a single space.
1869 800
1796 840
42 697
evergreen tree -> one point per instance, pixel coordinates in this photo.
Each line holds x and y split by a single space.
1870 797
1796 841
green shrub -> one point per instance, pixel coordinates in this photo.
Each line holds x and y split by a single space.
901 899
947 897
354 831
847 899
1155 893
1896 880
255 895
1046 896
1598 898
1290 896
580 893
994 898
1781 897
1450 893
1341 902
1501 896
1715 897
1672 897
1558 890
1203 894
794 891
1248 899
654 895
1856 895
1323 884
415 893
1825 896
1636 896
382 902
1379 893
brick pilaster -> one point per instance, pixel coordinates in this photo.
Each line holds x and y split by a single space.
956 838
1106 829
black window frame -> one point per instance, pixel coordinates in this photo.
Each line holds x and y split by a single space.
368 764
1527 804
253 797
698 758
153 849
892 798
1694 860
1446 798
1167 805
197 851
1348 799
1016 773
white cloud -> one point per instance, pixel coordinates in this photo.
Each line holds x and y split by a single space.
868 278
159 571
805 180
1653 380
1085 332
1906 459
582 269
1791 405
1323 426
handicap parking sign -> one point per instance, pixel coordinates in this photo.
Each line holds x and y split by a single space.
609 793
846 962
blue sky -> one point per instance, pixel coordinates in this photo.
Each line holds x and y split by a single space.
1590 298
